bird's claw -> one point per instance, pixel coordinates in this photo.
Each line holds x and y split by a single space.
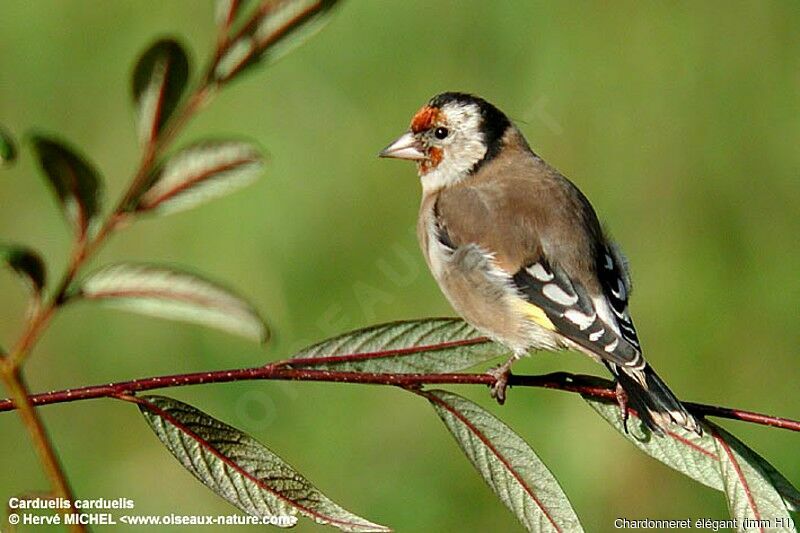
501 375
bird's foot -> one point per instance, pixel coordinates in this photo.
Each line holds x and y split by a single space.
501 375
622 402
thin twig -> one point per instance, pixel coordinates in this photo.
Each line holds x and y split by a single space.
587 386
84 249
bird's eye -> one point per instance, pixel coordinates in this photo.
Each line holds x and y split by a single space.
441 133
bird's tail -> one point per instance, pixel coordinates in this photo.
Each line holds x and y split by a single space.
652 400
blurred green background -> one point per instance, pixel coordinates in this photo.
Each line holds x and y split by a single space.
680 121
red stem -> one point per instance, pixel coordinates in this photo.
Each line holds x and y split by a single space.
587 386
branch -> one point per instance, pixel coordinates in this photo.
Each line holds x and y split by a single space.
587 386
83 250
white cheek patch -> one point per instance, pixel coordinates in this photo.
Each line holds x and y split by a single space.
461 151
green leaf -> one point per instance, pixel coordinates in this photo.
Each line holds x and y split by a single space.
239 468
507 463
276 28
683 450
8 148
749 489
690 454
199 173
168 293
434 345
790 494
158 82
75 182
25 262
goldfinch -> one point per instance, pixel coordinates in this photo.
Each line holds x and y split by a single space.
518 250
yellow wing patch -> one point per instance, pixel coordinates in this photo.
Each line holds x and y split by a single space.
534 313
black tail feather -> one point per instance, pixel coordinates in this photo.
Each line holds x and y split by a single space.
652 400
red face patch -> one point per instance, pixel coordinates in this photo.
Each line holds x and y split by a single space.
434 158
424 119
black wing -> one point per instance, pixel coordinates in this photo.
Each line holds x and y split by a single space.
616 284
589 322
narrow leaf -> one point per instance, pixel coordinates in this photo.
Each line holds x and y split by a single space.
433 345
239 468
683 450
158 81
749 490
75 182
25 262
8 148
692 455
200 173
168 293
507 463
788 492
277 28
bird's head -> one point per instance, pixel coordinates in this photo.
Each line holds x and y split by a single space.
450 138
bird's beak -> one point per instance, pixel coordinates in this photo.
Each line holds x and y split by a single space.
406 147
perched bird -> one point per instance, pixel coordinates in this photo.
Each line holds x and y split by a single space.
518 251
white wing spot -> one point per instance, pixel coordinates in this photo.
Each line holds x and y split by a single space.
638 363
604 312
620 292
609 262
612 346
539 272
581 320
559 295
595 336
